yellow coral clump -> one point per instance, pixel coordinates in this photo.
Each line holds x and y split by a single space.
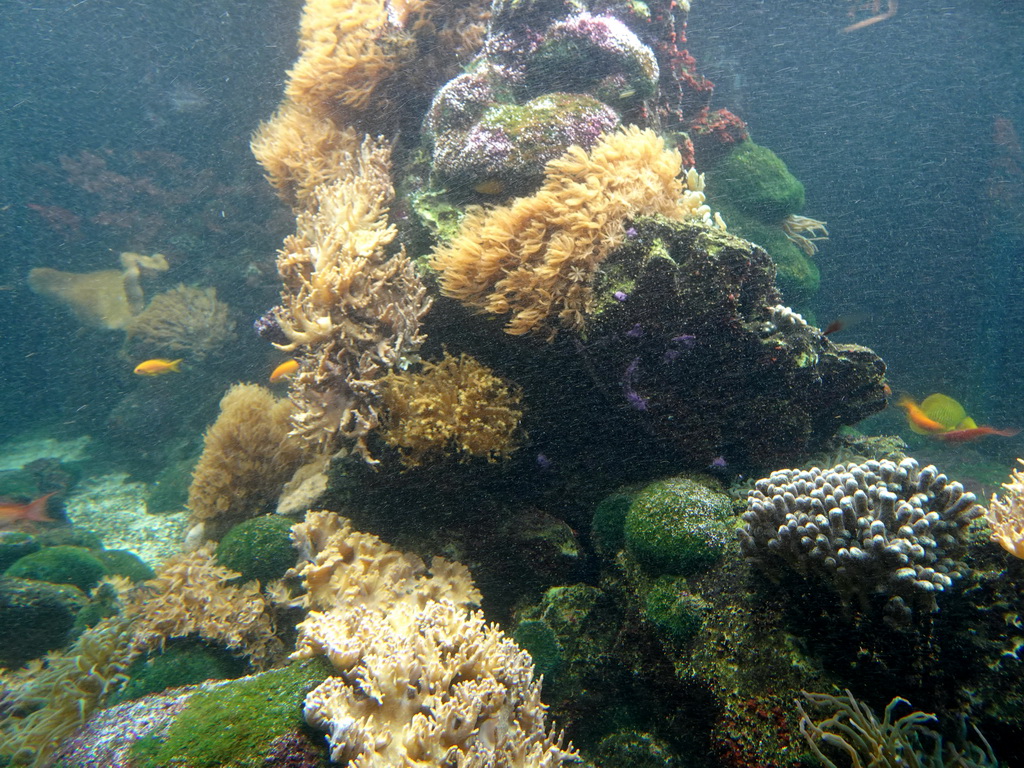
192 595
247 457
421 678
456 406
1006 516
535 259
182 321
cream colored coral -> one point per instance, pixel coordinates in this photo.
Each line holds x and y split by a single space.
421 678
192 595
185 321
1006 516
535 259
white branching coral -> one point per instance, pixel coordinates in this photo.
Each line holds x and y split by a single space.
1006 516
421 678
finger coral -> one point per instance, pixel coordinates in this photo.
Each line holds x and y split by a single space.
456 406
350 310
420 678
192 595
185 321
535 259
1006 516
247 457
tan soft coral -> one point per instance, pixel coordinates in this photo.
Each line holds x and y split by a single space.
185 321
420 677
350 308
247 457
456 406
193 596
535 258
1005 515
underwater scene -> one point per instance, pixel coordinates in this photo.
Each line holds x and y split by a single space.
512 384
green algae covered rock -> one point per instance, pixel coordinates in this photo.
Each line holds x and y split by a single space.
606 528
676 614
678 526
14 545
62 564
35 617
181 664
124 563
259 549
235 724
754 179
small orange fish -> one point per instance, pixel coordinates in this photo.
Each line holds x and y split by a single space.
919 418
34 511
285 370
158 367
968 435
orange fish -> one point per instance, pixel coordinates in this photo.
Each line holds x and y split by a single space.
968 435
285 370
919 418
158 367
34 511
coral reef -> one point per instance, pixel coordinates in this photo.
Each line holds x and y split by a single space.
877 528
1005 516
184 321
247 456
535 259
454 407
105 299
350 311
418 675
193 596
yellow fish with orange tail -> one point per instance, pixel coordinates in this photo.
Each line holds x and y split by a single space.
943 418
285 370
158 367
918 419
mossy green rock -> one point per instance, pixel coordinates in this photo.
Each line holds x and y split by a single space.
185 663
606 528
60 565
259 549
634 749
540 641
35 617
14 545
676 615
678 526
754 179
124 563
233 725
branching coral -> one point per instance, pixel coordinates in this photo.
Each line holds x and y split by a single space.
247 457
873 528
350 310
193 596
1006 516
421 679
456 406
184 320
44 703
535 259
855 732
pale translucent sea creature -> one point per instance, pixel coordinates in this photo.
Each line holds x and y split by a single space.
805 232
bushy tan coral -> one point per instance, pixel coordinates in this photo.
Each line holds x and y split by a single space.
350 309
535 259
247 457
185 321
43 703
421 678
1005 515
454 407
192 595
